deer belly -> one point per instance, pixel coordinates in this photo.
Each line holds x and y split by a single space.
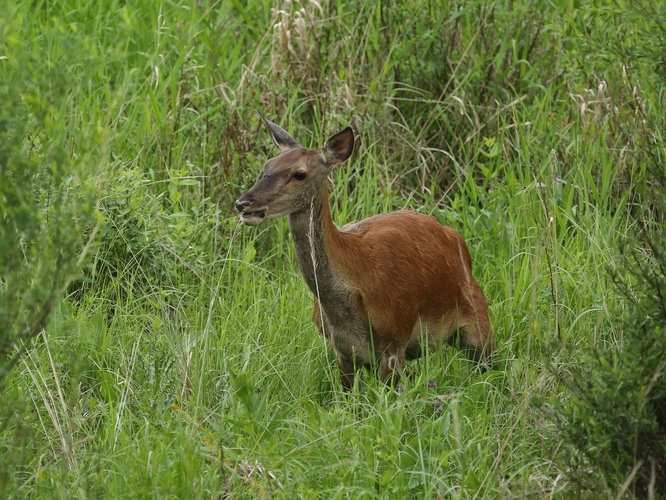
432 332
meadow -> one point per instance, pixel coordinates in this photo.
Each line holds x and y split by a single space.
154 347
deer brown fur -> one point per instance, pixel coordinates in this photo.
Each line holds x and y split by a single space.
385 286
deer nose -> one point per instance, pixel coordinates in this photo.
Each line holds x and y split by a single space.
242 204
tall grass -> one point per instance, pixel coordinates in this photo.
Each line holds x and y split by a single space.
185 362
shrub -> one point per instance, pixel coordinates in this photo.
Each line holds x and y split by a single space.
614 415
611 415
47 201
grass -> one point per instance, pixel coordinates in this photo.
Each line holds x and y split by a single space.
186 362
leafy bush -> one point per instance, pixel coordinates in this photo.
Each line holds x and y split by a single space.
47 197
614 418
612 411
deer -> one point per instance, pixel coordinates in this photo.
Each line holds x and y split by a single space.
386 288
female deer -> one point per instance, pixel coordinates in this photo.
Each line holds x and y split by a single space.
384 287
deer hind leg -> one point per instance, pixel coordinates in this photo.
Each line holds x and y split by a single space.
476 337
475 334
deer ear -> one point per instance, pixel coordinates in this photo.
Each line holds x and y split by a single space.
339 148
280 136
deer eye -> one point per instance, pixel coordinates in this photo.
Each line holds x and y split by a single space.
300 176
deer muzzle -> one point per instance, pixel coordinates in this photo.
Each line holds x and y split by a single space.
250 215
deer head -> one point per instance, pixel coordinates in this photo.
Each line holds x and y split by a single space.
294 177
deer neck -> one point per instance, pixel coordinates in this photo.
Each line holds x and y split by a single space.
317 241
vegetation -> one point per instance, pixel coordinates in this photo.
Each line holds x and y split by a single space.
153 347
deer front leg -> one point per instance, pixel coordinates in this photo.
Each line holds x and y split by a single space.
391 364
347 372
316 315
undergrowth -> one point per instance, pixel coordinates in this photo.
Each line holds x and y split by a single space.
183 361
